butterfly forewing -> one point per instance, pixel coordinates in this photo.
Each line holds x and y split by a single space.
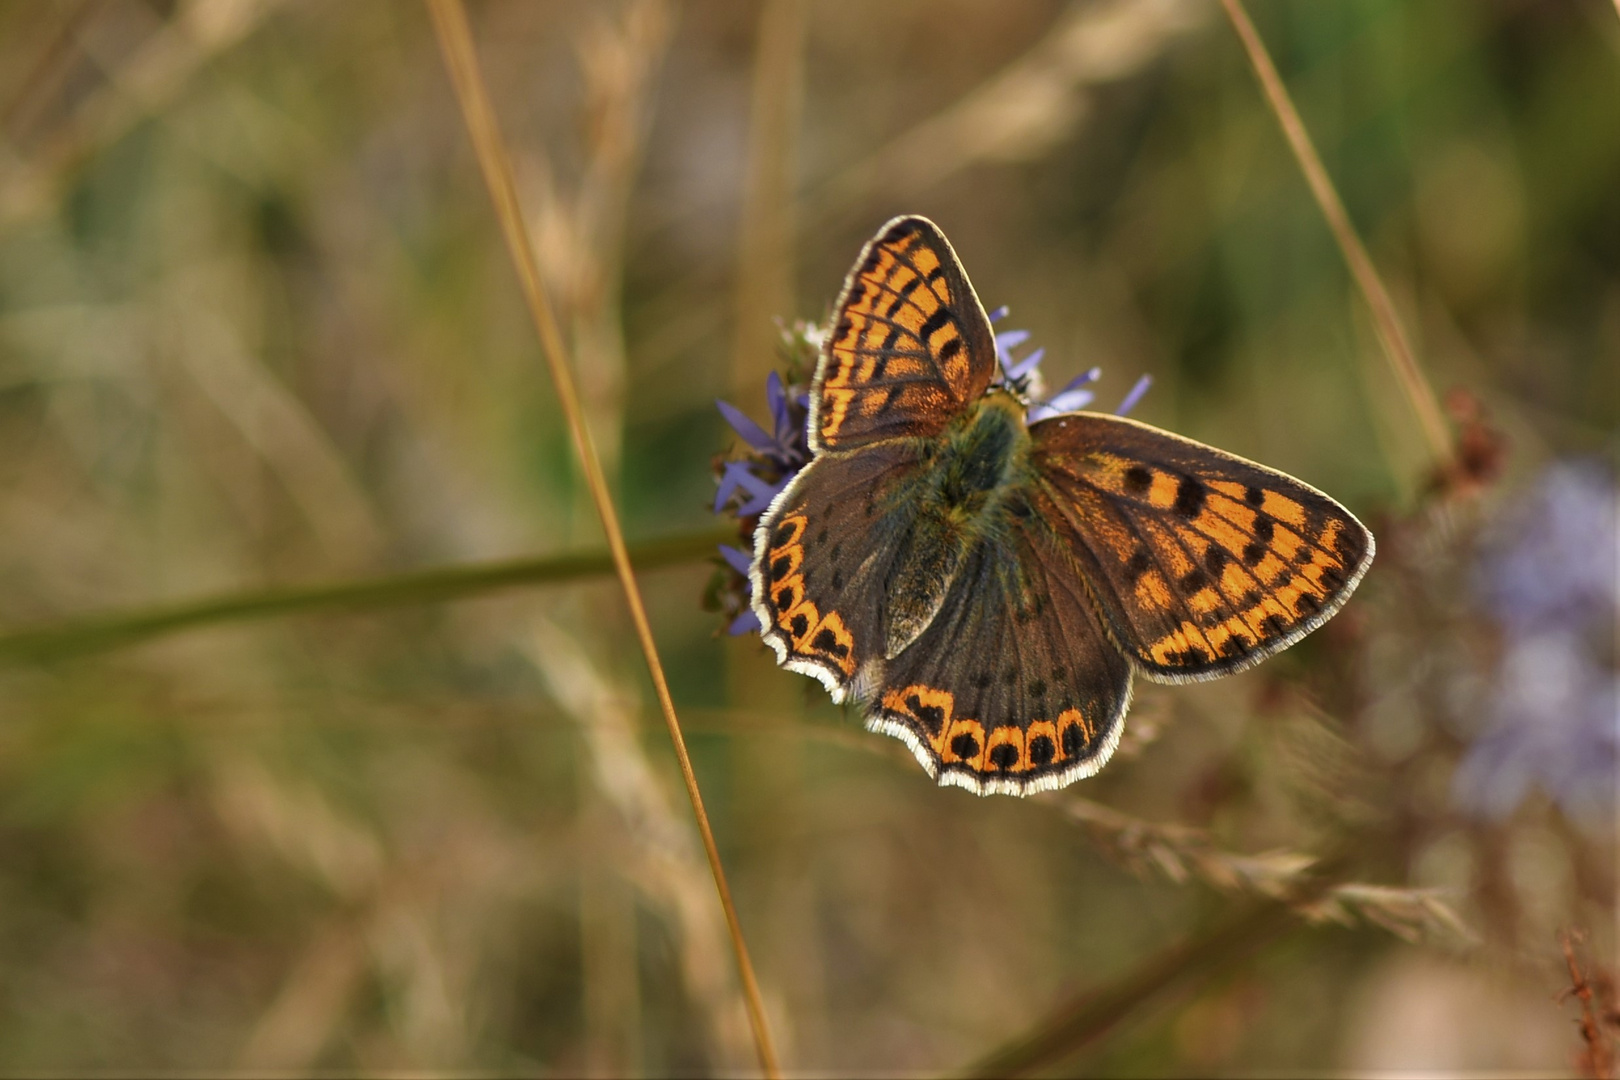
1014 687
910 343
1203 563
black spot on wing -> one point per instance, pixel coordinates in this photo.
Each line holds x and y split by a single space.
938 319
901 231
1190 496
1073 741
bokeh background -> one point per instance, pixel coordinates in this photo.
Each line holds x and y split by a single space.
258 330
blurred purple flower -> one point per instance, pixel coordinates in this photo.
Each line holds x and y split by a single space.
1552 558
1549 574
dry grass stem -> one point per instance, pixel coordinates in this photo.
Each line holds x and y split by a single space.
455 37
142 86
663 861
1032 104
580 240
765 255
1386 322
46 72
1182 853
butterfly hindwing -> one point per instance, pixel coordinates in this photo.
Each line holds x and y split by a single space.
1203 563
821 555
1014 687
910 343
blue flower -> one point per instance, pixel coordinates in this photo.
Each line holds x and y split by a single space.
1547 573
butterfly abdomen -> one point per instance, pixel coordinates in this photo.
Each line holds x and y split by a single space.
971 473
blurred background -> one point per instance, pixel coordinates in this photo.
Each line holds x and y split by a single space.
258 330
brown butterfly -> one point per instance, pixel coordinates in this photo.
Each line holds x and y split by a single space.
985 588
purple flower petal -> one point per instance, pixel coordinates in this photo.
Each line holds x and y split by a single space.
1132 398
763 497
999 313
746 623
776 398
751 433
1085 378
736 477
1008 340
1026 365
738 559
1069 401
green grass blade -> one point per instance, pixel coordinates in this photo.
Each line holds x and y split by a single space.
98 633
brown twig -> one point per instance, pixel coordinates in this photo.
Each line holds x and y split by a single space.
1088 1015
1386 323
1597 1060
455 39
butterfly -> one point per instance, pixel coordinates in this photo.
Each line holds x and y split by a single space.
986 588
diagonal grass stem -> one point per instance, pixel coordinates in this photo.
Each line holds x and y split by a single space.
455 39
1386 323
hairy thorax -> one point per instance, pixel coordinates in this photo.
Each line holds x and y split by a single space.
967 476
